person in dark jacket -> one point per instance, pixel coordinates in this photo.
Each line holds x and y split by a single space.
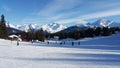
18 42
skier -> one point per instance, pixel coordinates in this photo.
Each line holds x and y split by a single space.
72 43
32 41
78 43
60 43
48 42
64 42
18 42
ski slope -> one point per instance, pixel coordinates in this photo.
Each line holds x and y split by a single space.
99 52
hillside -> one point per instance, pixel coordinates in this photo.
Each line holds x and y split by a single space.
98 52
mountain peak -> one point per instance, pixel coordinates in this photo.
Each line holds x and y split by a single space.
102 22
54 27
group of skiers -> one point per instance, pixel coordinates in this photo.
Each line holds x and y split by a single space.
73 43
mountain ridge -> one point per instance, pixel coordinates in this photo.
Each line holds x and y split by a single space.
49 28
55 27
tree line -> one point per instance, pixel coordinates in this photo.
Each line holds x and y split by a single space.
90 32
31 35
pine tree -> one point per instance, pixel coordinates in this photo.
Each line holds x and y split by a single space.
97 31
3 28
89 32
40 35
106 31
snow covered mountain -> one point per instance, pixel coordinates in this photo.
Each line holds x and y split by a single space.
49 28
27 27
84 26
104 23
81 26
52 28
55 27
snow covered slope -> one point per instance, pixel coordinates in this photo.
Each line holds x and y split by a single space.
92 53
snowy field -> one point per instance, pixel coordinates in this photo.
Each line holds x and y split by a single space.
99 52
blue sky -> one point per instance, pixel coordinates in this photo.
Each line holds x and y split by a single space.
60 11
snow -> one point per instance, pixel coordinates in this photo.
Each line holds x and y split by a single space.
27 27
104 22
54 27
50 28
98 52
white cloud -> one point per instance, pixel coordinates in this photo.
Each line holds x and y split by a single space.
55 17
66 21
50 10
90 16
63 15
62 11
101 14
57 6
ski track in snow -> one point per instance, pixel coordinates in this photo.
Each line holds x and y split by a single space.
92 53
